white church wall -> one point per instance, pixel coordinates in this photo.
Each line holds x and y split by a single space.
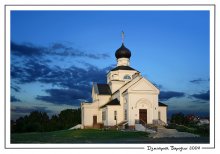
105 116
99 116
116 95
89 110
82 116
119 75
141 101
155 106
111 119
125 107
88 116
163 113
103 99
115 85
122 73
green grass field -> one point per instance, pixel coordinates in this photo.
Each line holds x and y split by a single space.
79 136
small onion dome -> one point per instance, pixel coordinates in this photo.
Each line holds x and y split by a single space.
123 52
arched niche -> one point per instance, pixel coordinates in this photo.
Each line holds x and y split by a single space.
143 102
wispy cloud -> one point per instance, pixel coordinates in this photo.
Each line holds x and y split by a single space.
203 95
15 88
14 99
56 49
65 96
26 49
74 82
199 101
198 81
69 77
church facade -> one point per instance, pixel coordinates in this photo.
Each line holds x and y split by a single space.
125 100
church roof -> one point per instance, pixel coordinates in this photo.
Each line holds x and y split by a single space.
112 102
123 68
162 104
123 52
104 89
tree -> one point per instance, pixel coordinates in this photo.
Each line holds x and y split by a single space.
69 118
38 121
178 118
54 123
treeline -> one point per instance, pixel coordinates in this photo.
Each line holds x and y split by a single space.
189 123
38 121
181 119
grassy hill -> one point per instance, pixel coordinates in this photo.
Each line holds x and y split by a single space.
79 136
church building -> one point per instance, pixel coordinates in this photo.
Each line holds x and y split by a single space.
125 100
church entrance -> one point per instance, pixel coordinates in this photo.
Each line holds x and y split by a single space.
143 115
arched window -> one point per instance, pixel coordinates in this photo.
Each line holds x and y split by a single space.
114 76
127 77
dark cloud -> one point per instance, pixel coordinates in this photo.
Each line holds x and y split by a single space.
203 96
16 71
199 102
65 96
166 95
26 49
64 50
27 110
30 72
56 49
198 81
14 99
15 88
71 77
74 83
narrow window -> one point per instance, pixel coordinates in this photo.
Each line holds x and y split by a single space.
103 116
125 115
115 115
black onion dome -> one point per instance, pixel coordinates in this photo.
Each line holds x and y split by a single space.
123 52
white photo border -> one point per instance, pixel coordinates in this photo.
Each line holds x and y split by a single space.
112 7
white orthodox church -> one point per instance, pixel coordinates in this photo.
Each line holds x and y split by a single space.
125 100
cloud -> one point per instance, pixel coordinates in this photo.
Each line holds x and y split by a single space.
166 95
26 49
199 102
65 96
56 49
15 88
64 50
14 99
71 77
203 96
30 72
74 83
198 81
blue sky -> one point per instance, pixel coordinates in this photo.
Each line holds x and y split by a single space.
56 55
